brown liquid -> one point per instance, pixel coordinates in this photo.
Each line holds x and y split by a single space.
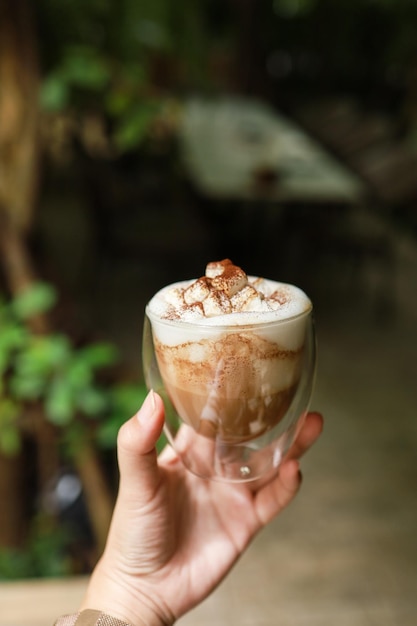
236 387
231 419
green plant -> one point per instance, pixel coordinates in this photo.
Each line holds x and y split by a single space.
45 554
63 401
124 63
49 371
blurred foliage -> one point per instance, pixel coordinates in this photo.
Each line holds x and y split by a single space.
131 63
114 75
64 379
125 60
44 555
44 376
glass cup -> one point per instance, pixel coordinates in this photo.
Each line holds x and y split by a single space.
235 396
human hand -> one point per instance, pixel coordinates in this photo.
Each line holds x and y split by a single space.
175 536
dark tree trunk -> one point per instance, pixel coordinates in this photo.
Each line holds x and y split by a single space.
19 174
19 81
13 524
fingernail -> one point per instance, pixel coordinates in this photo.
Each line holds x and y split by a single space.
147 409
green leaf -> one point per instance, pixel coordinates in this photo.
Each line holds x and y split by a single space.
134 126
52 350
8 410
82 67
130 79
10 442
118 102
34 367
54 93
98 355
12 336
79 374
14 564
125 400
59 403
27 387
92 402
45 554
107 433
9 429
36 299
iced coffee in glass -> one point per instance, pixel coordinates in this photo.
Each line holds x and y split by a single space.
233 357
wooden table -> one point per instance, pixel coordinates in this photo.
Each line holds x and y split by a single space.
39 602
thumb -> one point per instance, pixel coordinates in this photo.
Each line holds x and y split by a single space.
137 457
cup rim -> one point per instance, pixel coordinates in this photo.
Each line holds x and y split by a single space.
206 324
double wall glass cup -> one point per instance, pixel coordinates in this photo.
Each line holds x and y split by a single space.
235 395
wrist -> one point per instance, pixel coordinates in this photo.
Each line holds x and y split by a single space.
124 600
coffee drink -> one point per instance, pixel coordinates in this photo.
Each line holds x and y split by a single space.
229 349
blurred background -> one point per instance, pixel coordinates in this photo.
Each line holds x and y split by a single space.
140 140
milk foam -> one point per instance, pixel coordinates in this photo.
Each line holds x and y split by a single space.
227 297
168 303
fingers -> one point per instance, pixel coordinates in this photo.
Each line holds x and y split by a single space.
276 495
309 433
139 472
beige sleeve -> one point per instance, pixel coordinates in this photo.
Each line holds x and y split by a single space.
89 618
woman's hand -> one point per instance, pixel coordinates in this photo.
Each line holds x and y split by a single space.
174 536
